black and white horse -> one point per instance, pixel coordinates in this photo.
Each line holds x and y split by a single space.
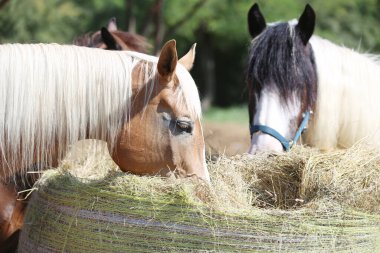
292 73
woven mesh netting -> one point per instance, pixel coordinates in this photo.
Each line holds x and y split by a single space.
301 201
121 215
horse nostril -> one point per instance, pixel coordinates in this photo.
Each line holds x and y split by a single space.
193 175
273 155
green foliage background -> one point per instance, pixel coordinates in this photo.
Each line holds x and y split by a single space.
222 23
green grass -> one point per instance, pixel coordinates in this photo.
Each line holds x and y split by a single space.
235 114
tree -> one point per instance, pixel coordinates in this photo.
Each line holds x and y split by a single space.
3 3
219 28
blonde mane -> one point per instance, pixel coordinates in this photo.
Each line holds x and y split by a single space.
58 94
348 101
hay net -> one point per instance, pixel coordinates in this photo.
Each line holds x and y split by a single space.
302 201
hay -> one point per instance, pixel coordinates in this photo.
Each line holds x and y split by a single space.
306 176
329 202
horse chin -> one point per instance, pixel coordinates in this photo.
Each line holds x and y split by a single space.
202 174
205 177
264 143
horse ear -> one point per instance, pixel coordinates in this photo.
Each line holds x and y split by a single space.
167 60
112 26
306 24
256 21
108 39
188 59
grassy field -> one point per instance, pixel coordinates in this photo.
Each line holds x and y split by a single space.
235 114
226 130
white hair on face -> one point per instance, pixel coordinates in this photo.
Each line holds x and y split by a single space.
187 86
53 94
348 103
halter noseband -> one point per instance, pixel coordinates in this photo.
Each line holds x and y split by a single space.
286 144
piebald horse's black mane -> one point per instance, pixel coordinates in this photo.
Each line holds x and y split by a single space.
281 59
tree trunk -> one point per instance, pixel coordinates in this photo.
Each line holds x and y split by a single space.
159 31
207 68
3 3
147 22
131 18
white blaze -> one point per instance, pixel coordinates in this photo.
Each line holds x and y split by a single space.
273 113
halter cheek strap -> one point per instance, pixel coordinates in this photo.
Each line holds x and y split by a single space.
286 144
270 131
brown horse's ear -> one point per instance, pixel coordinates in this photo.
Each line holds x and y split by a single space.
108 39
167 60
111 26
188 59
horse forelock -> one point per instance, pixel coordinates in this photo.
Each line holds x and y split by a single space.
188 92
279 61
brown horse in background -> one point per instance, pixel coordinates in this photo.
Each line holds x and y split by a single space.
111 38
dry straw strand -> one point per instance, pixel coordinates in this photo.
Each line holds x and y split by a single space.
121 212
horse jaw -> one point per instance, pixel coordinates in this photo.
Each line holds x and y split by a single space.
271 112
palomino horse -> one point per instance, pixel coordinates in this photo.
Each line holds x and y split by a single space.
113 39
292 73
13 196
146 108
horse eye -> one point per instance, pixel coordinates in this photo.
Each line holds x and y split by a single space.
184 126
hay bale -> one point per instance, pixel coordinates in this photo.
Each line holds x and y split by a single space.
126 213
308 177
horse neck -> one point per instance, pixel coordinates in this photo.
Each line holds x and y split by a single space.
130 41
126 40
348 84
48 109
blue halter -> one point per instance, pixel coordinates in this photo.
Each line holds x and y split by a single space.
286 144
